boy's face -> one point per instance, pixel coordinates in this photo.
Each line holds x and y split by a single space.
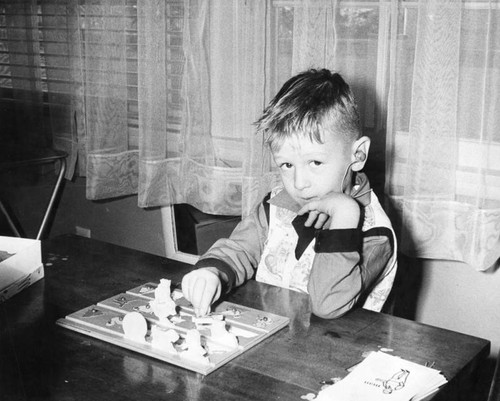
309 169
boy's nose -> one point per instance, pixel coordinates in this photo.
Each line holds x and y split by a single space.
301 180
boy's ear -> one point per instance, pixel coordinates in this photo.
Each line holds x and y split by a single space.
360 150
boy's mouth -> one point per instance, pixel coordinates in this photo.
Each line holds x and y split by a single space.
306 200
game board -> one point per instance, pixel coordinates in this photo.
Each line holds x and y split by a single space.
227 332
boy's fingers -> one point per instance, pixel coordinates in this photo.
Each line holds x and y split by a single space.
198 289
206 300
204 312
207 291
186 287
201 288
320 221
313 215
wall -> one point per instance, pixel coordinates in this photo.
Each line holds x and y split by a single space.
451 295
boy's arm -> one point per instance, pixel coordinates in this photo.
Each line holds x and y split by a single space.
237 257
339 276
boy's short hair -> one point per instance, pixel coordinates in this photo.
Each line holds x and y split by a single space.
312 103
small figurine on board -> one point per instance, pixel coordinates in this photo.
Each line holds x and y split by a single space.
194 350
220 335
135 327
163 305
164 339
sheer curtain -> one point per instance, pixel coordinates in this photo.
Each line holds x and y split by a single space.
171 91
201 85
112 161
443 138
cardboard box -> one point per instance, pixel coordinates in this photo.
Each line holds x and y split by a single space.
209 231
197 231
21 265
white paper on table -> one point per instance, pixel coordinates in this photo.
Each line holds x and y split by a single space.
383 377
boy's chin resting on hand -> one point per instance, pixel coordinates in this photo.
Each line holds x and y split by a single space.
334 211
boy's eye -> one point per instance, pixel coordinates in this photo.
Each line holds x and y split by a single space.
286 166
316 163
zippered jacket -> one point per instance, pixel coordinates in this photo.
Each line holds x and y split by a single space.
338 268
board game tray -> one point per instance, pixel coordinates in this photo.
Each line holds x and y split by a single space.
103 321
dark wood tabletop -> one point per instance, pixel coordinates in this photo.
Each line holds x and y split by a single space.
42 361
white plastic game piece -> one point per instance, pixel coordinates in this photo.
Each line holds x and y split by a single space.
176 295
193 342
135 326
220 335
163 305
163 339
194 350
176 319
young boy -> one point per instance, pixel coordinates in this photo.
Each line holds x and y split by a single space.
323 232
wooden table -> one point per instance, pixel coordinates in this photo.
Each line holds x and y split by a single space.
40 360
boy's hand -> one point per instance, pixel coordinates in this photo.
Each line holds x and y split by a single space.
202 287
332 211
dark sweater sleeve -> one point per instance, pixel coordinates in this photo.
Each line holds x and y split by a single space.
347 263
